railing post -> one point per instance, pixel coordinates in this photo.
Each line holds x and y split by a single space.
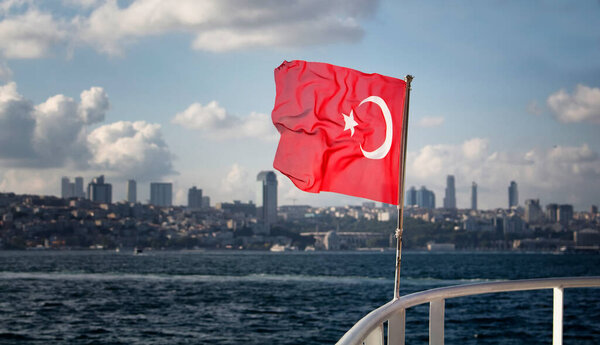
436 321
396 324
375 337
557 329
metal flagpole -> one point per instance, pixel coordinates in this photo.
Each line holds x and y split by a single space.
400 227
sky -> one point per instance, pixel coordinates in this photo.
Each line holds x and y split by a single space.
182 92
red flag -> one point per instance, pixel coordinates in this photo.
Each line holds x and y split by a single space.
341 129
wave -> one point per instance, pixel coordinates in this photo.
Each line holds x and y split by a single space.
191 278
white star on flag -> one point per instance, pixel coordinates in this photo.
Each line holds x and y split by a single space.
349 122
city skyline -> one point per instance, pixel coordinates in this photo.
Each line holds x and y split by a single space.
502 91
421 197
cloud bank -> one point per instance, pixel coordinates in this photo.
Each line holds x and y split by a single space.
214 121
583 105
214 25
55 134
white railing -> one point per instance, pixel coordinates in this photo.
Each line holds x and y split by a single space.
369 330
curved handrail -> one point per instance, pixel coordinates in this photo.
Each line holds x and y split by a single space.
362 328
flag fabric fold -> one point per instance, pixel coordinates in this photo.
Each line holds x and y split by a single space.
340 129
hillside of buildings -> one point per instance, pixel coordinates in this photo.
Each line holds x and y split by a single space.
47 222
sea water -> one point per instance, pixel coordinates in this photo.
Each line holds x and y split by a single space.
240 297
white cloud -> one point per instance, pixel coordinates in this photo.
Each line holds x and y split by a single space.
582 105
134 149
94 105
54 134
237 184
560 174
214 120
215 25
29 35
430 121
17 124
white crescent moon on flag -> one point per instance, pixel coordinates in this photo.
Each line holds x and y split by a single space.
382 150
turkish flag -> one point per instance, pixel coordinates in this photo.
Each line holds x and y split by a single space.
341 129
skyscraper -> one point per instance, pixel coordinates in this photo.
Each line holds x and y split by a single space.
513 195
79 193
450 197
474 196
195 198
161 194
70 189
98 191
425 198
411 197
266 198
67 188
131 191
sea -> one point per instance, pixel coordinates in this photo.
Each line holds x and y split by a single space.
244 297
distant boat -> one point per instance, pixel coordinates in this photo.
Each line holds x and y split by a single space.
137 251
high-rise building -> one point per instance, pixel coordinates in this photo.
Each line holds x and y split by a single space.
450 197
205 202
161 194
513 195
533 211
552 213
411 197
565 214
98 191
425 198
131 191
266 198
593 209
195 198
79 193
474 196
66 188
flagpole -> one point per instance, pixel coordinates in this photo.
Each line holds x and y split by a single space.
400 227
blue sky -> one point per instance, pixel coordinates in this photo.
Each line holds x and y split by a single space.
503 90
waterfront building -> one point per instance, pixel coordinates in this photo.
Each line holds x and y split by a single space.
266 199
411 197
474 196
425 198
513 224
98 191
533 211
194 198
513 195
450 196
161 194
131 191
552 213
565 214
